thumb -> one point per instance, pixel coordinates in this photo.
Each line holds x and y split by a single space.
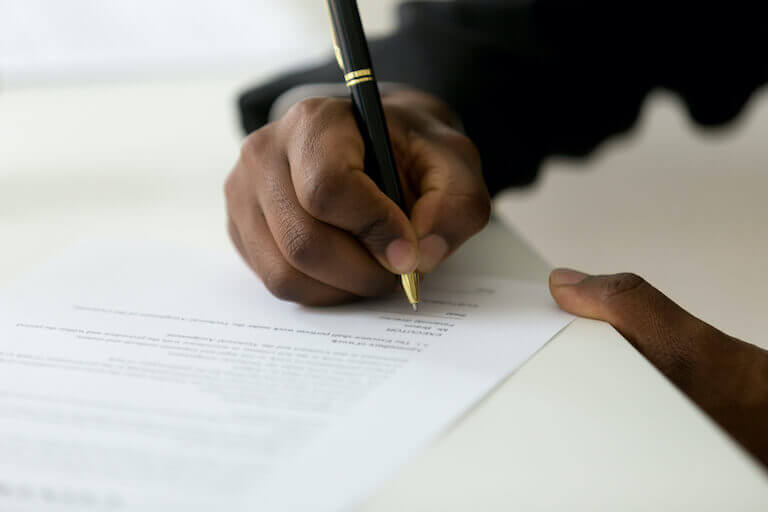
660 329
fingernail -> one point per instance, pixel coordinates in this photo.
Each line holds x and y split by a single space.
401 256
566 276
432 250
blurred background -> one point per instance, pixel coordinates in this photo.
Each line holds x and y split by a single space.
50 42
119 118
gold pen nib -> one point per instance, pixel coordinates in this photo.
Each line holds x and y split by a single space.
411 284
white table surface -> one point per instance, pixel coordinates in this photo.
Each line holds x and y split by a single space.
587 424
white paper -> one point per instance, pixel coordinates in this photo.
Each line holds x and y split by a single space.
157 378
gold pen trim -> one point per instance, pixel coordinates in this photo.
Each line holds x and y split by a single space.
337 53
359 80
358 74
336 49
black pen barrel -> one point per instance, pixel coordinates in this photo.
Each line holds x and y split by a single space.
349 34
379 159
355 60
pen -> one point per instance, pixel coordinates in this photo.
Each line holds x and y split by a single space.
354 59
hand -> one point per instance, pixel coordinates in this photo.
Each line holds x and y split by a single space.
314 226
726 377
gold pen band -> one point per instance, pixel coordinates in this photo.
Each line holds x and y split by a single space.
359 80
358 76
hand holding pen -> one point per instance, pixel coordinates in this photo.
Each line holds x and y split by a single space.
318 230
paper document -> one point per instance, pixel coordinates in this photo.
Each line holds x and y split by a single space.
161 378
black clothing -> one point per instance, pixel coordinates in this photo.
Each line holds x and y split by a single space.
539 78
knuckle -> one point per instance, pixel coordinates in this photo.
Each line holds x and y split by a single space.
619 285
305 108
310 109
301 111
321 188
283 282
301 245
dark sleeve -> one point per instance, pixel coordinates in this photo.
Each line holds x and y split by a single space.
541 78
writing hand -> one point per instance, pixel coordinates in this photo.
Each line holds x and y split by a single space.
317 230
726 377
